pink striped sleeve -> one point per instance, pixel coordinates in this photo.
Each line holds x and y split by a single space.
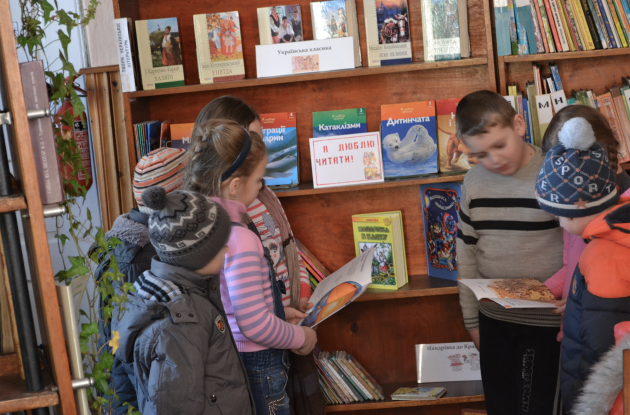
247 276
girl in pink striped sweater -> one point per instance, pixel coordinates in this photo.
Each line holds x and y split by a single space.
228 163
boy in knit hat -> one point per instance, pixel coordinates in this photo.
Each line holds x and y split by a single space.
577 184
175 330
503 233
162 167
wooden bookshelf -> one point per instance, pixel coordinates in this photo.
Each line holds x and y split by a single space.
12 203
424 311
13 396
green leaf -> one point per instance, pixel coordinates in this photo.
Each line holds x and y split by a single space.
89 214
48 8
107 359
107 312
63 238
102 385
76 260
83 342
83 313
89 329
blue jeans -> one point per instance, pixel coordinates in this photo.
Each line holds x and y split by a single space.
268 373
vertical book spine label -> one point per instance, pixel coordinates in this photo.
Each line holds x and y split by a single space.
125 56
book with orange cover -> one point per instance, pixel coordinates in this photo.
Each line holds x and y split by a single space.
181 134
607 107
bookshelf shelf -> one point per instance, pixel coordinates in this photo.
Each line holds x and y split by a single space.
13 397
306 188
544 57
12 203
364 71
456 393
418 286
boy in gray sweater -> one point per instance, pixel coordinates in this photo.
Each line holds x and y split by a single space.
503 233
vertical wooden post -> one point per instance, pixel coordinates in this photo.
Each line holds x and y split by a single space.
626 382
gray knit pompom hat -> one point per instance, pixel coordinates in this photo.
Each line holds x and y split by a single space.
187 229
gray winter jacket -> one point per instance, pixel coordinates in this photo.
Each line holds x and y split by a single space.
176 334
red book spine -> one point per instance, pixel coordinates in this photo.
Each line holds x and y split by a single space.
552 24
540 25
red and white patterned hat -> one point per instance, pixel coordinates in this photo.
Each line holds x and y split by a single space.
163 167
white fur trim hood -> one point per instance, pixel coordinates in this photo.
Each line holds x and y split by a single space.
604 383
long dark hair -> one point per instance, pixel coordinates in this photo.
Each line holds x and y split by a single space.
228 107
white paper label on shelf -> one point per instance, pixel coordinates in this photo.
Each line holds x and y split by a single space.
346 160
447 362
304 57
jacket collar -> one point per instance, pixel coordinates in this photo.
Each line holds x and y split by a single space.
180 276
235 208
613 225
139 217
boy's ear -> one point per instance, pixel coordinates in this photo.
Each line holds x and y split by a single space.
519 125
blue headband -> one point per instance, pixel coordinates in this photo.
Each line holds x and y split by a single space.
247 145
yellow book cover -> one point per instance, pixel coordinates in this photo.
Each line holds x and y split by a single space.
389 268
577 7
159 53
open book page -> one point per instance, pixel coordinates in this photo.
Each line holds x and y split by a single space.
512 293
340 288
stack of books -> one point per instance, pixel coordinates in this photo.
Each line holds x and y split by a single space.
316 271
418 394
151 135
545 26
343 380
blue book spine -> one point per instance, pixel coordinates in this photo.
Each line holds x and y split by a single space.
528 121
611 36
556 77
524 16
501 21
440 207
626 9
523 47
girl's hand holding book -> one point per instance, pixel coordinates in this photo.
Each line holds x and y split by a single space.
294 316
304 304
310 340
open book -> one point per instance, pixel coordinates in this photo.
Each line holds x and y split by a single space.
340 288
512 293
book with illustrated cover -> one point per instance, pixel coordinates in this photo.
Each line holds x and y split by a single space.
418 394
334 19
280 137
383 231
541 10
440 207
159 53
512 293
181 135
219 47
526 29
440 30
607 107
339 122
280 24
340 288
409 139
451 150
447 362
387 32
512 26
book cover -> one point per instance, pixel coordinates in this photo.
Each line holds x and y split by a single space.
607 107
440 206
280 137
219 47
541 40
126 54
346 160
418 394
545 112
280 24
447 362
451 150
41 131
501 23
387 32
512 293
568 29
181 134
556 76
159 53
340 288
384 232
440 30
334 19
339 122
546 25
526 22
409 139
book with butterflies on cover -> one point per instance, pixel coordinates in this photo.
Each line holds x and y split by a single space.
337 18
159 53
385 232
219 47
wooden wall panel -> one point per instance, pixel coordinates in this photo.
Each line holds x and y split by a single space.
382 335
249 27
368 91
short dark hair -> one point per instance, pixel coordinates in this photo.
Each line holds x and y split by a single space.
284 17
479 111
167 27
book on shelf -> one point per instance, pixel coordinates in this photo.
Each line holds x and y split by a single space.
464 36
501 24
147 137
527 116
181 135
512 28
340 289
280 24
165 134
527 33
452 151
387 32
339 122
607 108
159 53
316 268
127 54
512 293
384 232
440 207
447 362
343 380
41 131
334 19
219 47
280 137
418 394
440 30
409 139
